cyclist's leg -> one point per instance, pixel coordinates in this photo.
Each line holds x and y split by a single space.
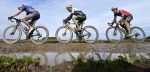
35 18
25 21
130 19
75 20
26 18
128 26
122 23
30 17
81 20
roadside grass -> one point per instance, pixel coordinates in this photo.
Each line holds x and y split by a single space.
13 64
131 63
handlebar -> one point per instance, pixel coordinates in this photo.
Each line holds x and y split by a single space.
11 19
110 24
66 22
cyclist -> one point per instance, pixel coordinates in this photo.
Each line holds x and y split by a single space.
31 14
77 16
125 20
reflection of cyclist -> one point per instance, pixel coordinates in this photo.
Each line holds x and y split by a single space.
31 13
77 16
126 18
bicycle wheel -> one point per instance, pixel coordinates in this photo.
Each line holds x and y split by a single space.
40 35
138 35
62 36
114 35
11 34
90 34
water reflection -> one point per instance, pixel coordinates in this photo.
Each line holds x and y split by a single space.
54 58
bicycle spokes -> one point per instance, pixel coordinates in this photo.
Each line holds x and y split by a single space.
90 34
13 31
138 34
38 34
135 33
11 34
64 35
114 34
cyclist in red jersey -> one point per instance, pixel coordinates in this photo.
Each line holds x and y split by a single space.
125 20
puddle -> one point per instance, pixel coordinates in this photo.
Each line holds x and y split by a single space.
54 58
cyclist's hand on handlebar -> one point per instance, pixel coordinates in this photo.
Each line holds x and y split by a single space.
10 17
110 24
64 21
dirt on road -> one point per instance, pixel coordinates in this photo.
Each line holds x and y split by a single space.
126 47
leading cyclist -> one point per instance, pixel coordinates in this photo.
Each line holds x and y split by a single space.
31 14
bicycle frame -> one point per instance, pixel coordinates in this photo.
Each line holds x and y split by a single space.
69 27
22 28
121 28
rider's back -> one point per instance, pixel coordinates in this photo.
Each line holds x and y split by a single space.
124 12
27 9
76 11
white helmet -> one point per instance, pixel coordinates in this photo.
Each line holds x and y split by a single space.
69 6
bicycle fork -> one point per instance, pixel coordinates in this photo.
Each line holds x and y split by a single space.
14 30
115 31
67 28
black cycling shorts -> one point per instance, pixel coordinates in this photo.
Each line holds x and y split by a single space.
128 18
81 18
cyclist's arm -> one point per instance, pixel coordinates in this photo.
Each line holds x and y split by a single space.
115 18
19 12
69 17
122 18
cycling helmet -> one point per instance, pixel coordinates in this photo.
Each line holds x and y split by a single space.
69 6
20 7
114 8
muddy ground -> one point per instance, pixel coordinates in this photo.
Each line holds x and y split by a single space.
124 47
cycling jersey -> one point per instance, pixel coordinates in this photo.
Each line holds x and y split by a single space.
125 15
77 15
122 13
76 12
27 9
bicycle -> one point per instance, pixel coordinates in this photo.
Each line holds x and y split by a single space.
13 33
138 35
84 34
